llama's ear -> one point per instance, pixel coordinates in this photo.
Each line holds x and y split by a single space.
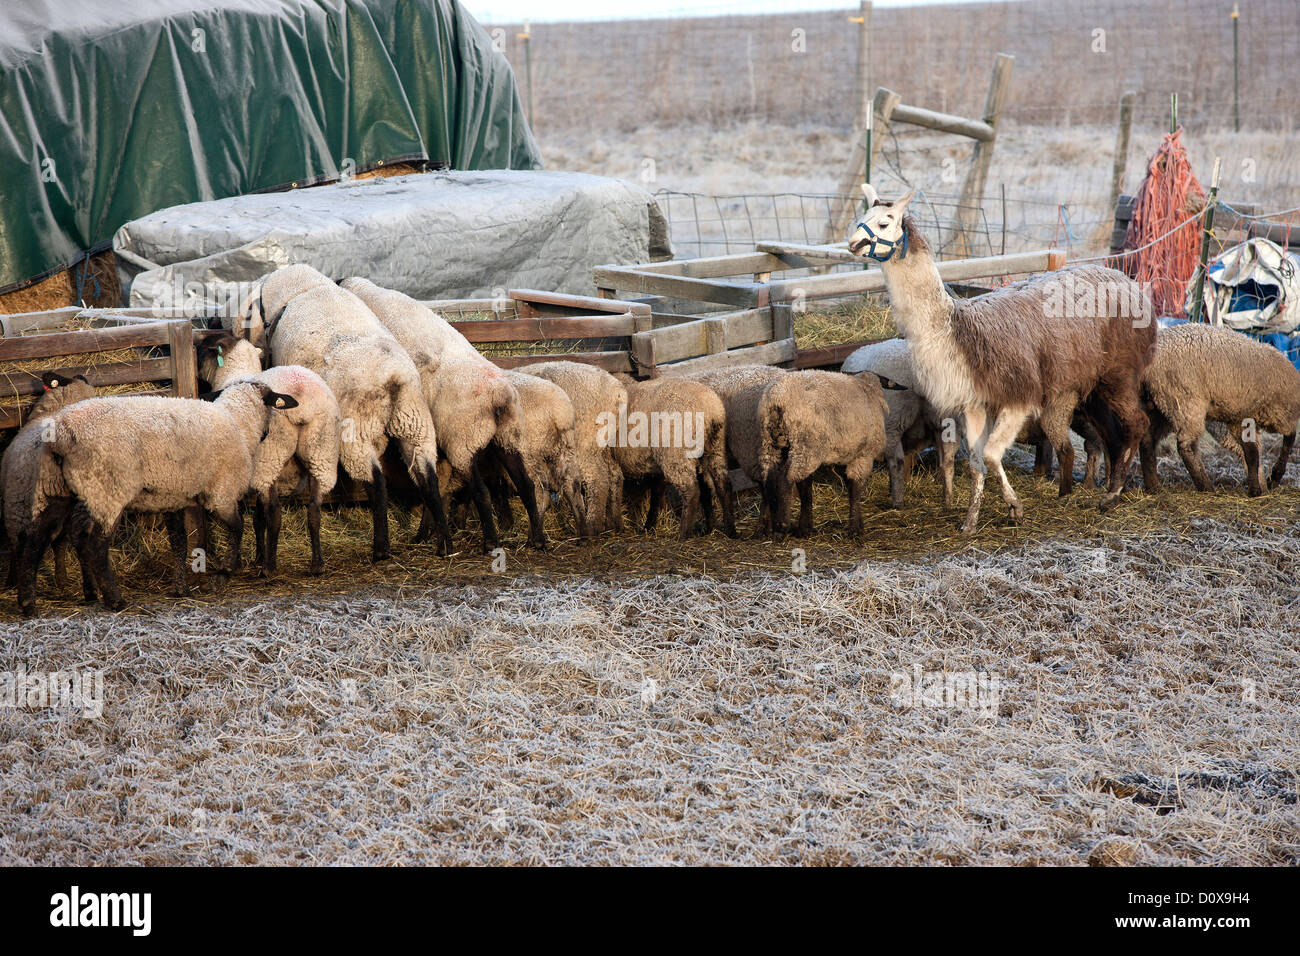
900 205
869 192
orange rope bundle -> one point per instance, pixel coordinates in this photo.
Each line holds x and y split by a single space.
1169 194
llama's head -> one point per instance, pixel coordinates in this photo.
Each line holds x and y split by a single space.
881 232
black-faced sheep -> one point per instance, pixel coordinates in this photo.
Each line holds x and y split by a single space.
301 446
815 418
473 404
147 454
305 319
675 431
1208 374
594 393
18 473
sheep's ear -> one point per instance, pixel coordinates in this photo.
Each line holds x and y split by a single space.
54 380
279 400
81 378
889 383
869 193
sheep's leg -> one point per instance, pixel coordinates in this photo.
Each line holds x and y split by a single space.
505 514
894 462
80 521
259 531
907 466
483 504
234 525
177 538
380 550
60 563
1122 402
434 514
614 496
1190 452
705 492
1043 461
317 565
690 494
1279 470
779 490
978 425
720 476
656 500
1156 431
805 525
1249 450
110 595
272 531
37 541
524 485
15 552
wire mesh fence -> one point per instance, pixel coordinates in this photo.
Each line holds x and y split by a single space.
786 85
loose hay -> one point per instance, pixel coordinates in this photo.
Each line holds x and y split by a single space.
646 701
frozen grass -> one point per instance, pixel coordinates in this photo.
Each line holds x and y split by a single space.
645 701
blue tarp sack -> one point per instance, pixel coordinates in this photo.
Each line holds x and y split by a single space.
1252 287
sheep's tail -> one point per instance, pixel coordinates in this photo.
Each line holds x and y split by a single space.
410 422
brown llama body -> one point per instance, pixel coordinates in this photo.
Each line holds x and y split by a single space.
1040 348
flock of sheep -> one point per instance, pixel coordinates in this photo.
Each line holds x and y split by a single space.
315 378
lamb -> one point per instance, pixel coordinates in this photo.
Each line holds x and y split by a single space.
147 454
815 418
912 422
301 446
476 411
305 319
18 475
1207 372
674 431
1034 348
741 389
593 392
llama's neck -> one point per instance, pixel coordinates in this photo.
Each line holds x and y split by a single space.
922 309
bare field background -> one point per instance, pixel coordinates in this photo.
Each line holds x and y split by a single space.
645 700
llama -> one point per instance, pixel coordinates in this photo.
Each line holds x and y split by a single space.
1036 348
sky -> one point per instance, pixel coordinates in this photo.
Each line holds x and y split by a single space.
507 11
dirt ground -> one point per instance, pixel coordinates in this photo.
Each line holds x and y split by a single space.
718 701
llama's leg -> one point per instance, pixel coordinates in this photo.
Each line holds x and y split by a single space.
179 542
978 423
947 465
1279 470
1055 422
1005 428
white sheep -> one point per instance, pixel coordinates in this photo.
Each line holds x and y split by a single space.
815 418
593 392
305 319
18 476
473 404
147 454
301 447
1204 374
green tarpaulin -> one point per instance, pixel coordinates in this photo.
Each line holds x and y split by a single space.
111 111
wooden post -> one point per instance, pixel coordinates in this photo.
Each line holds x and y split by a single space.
1199 287
1121 148
856 173
848 192
185 363
972 191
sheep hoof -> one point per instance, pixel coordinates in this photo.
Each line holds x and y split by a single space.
377 556
27 610
1108 503
969 526
316 570
1255 491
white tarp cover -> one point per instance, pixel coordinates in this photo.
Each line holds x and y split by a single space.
1252 287
436 235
